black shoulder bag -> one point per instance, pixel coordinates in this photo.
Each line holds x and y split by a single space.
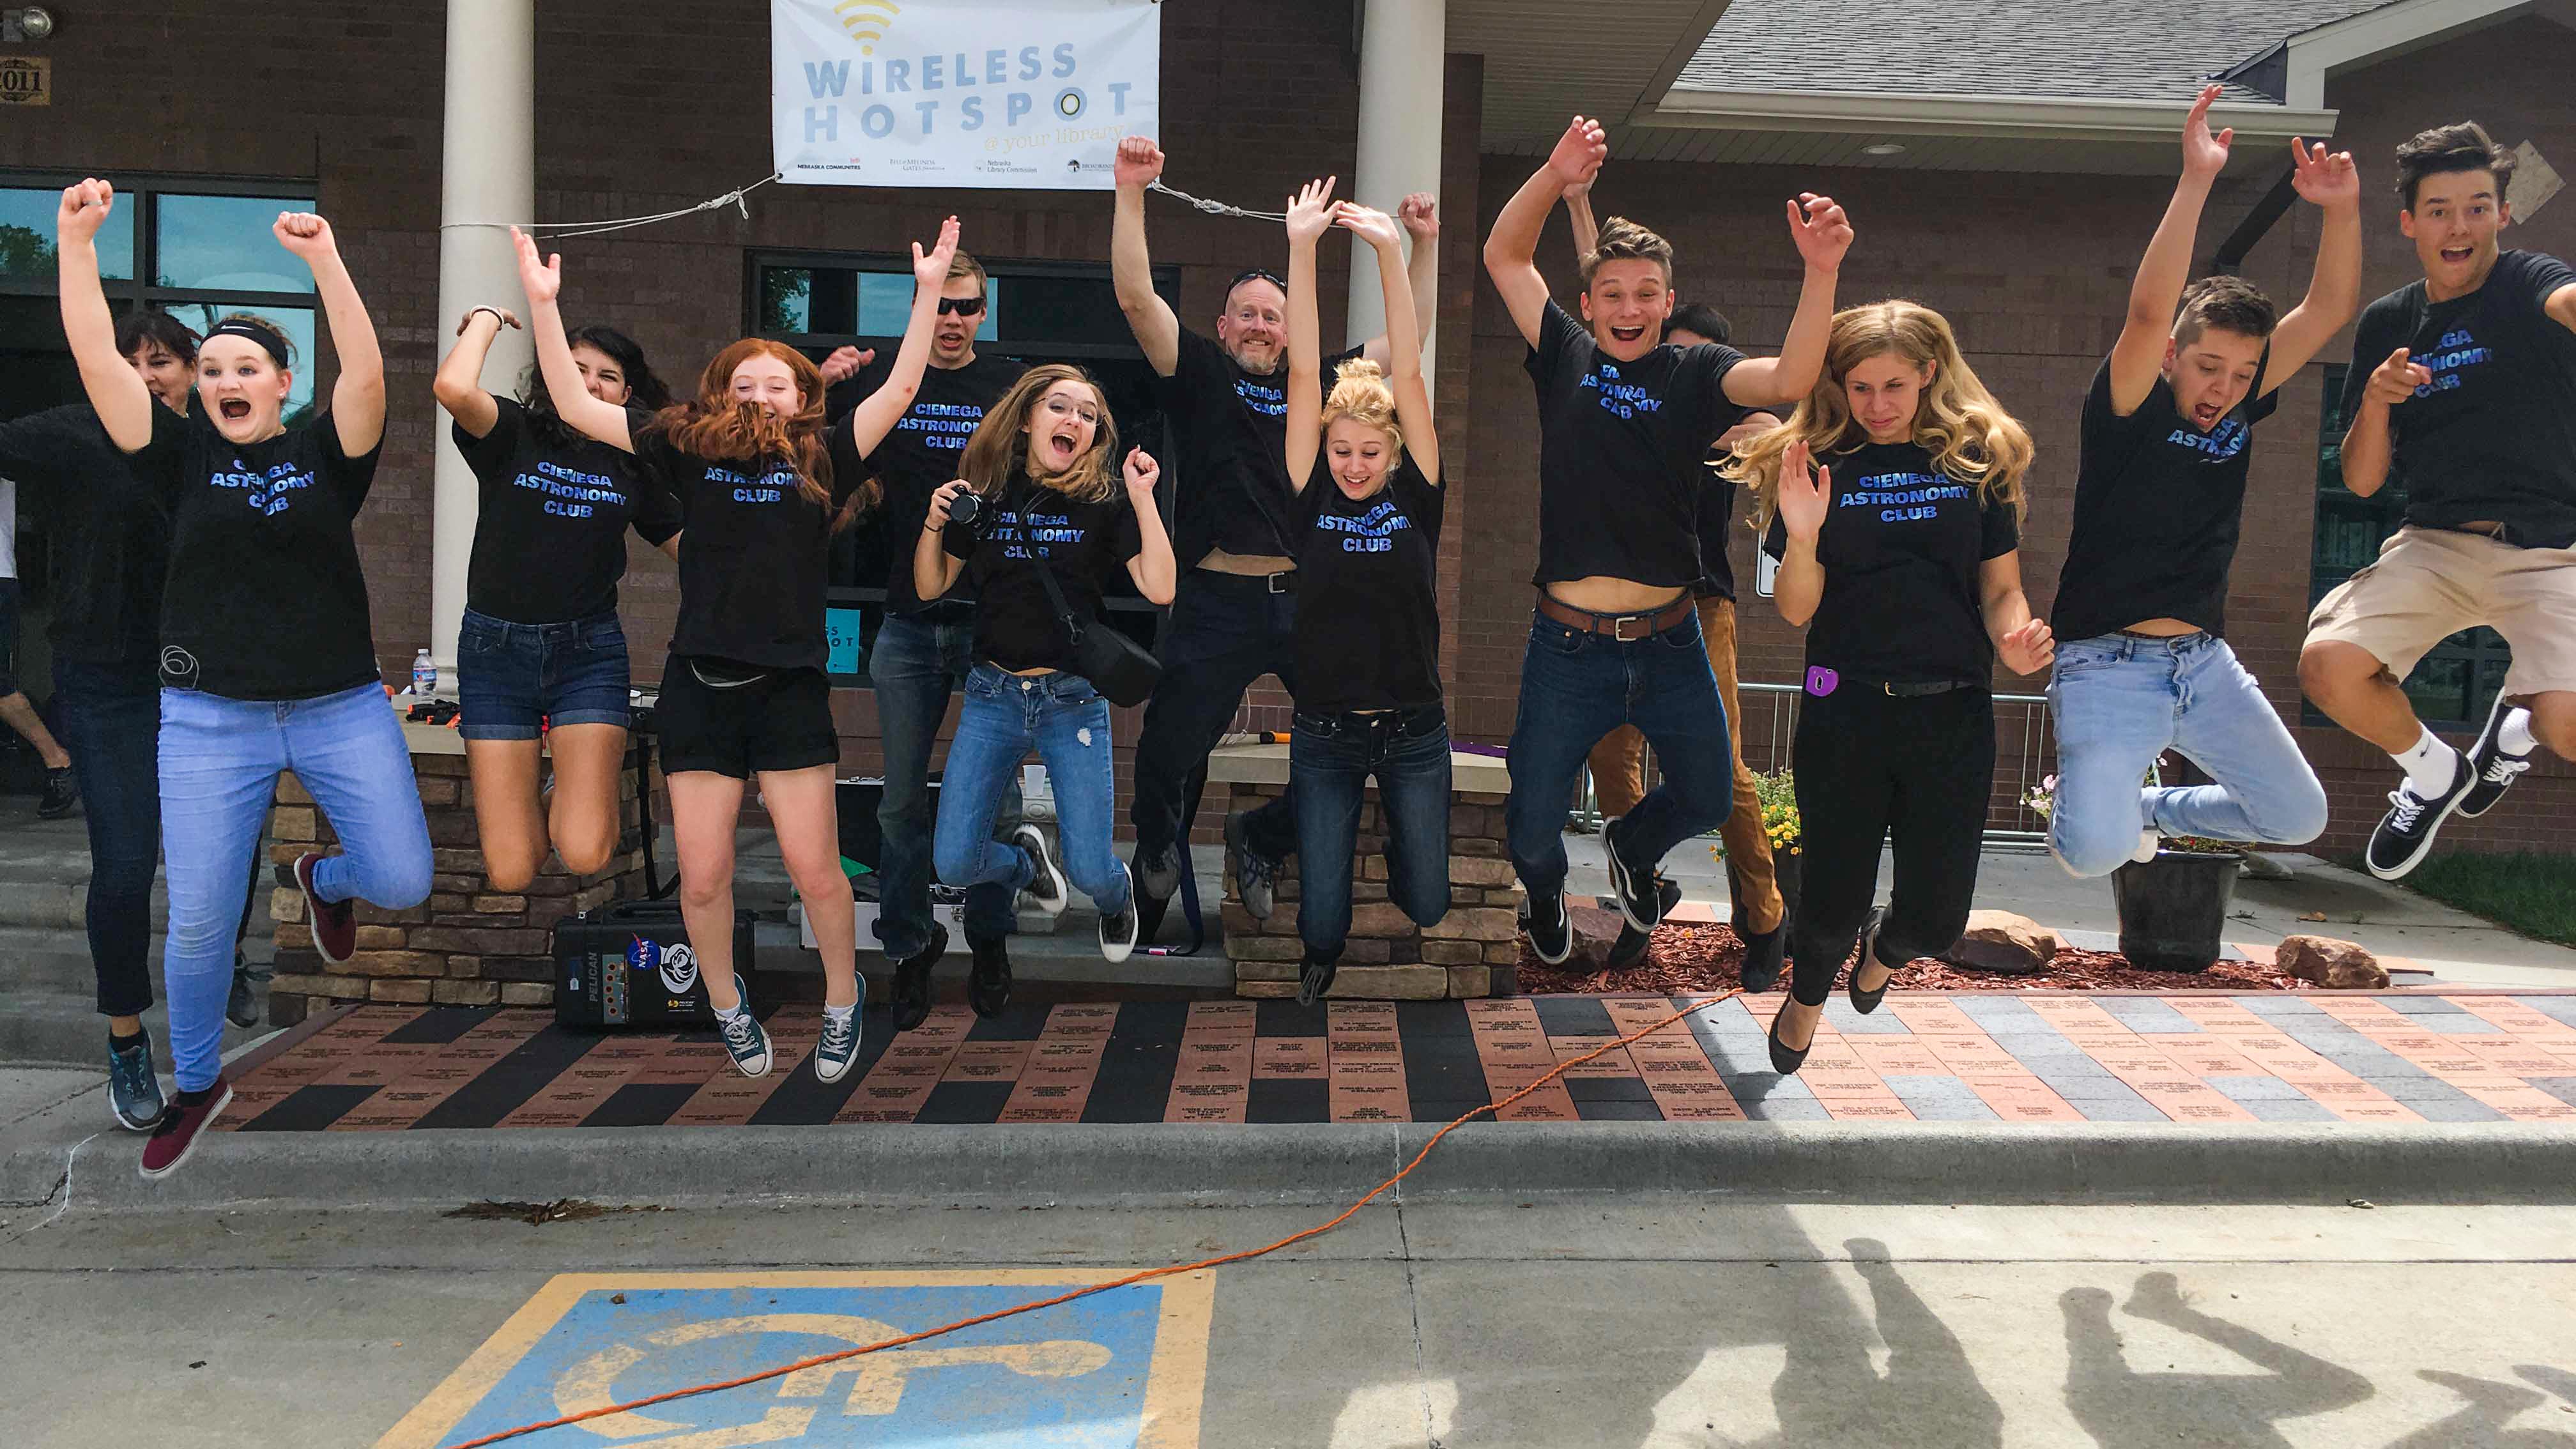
1123 672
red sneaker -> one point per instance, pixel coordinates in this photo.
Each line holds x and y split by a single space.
190 1114
334 923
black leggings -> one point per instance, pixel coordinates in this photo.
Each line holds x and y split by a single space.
1871 766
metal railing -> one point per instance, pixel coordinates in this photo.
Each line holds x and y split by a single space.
2025 754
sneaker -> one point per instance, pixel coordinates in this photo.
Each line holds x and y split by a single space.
61 797
744 1039
988 984
840 1042
1765 952
912 981
1159 874
1551 931
2406 831
334 923
1630 948
2149 842
1633 888
1047 886
1314 980
1117 931
182 1127
2495 770
1255 875
241 1004
133 1090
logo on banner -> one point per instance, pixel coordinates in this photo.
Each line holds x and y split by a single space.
677 965
867 21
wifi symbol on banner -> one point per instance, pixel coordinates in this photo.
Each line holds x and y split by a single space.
867 21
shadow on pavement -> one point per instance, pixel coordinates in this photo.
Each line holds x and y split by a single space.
2121 1407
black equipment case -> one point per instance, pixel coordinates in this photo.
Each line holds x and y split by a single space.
629 964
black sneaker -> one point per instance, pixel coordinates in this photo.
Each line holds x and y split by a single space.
1047 886
2407 830
1255 875
2495 770
1765 952
988 985
911 1005
1314 980
1633 888
1551 931
241 1004
1159 874
61 797
1630 948
133 1089
1118 930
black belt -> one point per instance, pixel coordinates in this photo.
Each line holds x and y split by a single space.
1921 690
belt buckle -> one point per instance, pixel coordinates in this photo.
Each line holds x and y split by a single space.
1619 627
1278 583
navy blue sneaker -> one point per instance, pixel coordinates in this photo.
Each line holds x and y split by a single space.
133 1089
744 1038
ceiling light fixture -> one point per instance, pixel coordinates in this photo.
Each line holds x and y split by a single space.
1884 148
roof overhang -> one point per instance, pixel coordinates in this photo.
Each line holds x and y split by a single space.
2026 133
2316 56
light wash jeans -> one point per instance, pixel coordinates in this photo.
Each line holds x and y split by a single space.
2121 701
917 662
1067 722
220 759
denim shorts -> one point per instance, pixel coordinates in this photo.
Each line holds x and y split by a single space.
509 676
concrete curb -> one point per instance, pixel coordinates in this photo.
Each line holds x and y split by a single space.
1330 1165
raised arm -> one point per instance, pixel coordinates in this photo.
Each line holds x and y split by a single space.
1420 216
358 396
1801 494
1153 569
934 568
2369 438
459 383
872 419
2561 306
1578 212
1511 251
116 390
1309 212
2138 358
586 415
1823 235
2334 288
1404 365
1131 263
2023 643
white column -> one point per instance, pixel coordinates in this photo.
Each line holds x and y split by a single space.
1402 56
488 172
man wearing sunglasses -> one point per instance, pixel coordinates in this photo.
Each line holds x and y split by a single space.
1234 611
923 651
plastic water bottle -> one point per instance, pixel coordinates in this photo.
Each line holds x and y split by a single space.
424 675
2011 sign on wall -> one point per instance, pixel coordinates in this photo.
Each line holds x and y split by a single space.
25 82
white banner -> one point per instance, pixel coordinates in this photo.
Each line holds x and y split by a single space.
1007 93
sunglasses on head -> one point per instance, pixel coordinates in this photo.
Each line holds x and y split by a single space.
961 306
1260 274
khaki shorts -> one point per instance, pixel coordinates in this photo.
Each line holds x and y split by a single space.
2430 583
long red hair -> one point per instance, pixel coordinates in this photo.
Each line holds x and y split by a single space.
714 425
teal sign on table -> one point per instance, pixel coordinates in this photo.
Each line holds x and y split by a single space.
846 629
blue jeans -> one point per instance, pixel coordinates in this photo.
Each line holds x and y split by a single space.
220 759
919 660
2121 701
110 719
1067 721
1577 687
1330 758
1226 632
510 676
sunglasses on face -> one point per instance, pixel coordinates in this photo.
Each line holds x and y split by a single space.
961 306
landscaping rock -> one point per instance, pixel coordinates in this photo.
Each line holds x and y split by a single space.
2002 942
2335 965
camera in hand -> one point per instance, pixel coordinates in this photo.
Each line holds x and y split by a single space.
965 507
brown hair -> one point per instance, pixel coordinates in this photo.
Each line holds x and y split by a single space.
714 425
2462 147
266 328
963 265
998 454
1622 239
2230 304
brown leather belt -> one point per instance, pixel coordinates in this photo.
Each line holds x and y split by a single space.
1626 627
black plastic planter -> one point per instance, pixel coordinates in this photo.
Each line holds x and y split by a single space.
2173 909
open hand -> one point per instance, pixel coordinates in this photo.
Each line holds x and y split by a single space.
1579 152
931 271
1420 214
1805 492
2394 381
541 276
2203 154
1142 474
306 235
2323 178
1369 224
1821 230
844 364
84 210
2028 649
1310 211
1139 163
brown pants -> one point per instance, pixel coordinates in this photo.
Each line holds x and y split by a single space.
1618 778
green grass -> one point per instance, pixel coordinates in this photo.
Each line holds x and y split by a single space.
2531 893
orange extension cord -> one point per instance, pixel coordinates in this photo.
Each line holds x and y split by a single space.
1129 1281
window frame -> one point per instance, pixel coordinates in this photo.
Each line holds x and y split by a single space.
144 190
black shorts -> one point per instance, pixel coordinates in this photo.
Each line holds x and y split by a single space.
779 721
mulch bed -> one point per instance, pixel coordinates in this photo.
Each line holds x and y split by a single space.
1690 960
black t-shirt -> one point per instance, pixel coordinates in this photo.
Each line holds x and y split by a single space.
1016 626
265 599
752 557
2493 437
1901 548
1230 442
550 533
1622 449
923 451
2157 503
1368 604
109 536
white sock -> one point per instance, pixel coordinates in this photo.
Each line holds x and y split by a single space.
840 1013
739 1007
2430 765
2514 735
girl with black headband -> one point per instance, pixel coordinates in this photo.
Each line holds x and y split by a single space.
540 648
758 478
268 659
